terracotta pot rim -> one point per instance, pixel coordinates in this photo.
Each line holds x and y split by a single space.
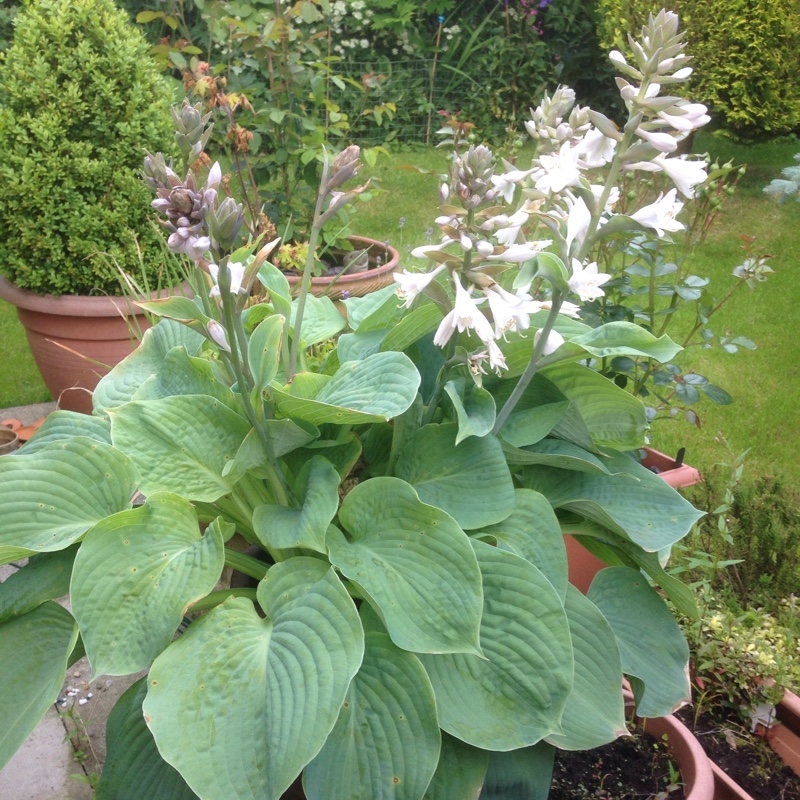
70 305
355 277
695 765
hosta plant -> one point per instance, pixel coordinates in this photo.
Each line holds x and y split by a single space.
397 504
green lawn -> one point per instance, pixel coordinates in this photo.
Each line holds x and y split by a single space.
765 415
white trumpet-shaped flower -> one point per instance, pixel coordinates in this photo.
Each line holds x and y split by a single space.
693 115
520 253
506 182
685 174
465 315
586 280
661 215
422 252
664 142
595 149
558 170
410 284
553 342
510 312
236 272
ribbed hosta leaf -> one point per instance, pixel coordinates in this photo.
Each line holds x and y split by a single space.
614 417
517 695
532 531
179 374
63 424
279 527
635 503
321 320
385 744
239 704
460 772
134 577
376 389
264 350
624 339
523 774
50 498
415 563
595 711
45 577
133 768
119 385
469 481
33 661
414 325
530 425
556 453
181 444
654 653
474 407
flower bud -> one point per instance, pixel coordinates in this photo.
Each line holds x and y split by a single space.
217 335
225 222
345 166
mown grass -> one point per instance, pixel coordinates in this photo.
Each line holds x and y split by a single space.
765 415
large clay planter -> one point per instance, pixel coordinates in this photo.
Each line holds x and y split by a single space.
68 334
9 441
582 564
383 261
697 774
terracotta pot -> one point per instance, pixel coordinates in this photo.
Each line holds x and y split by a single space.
383 261
9 441
696 771
677 475
75 340
784 735
725 788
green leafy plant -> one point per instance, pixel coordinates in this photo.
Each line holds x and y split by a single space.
409 619
786 187
80 96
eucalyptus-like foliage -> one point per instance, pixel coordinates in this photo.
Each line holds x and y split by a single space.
409 632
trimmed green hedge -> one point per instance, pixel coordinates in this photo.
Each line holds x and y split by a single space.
80 99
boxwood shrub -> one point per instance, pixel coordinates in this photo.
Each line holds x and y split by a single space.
80 99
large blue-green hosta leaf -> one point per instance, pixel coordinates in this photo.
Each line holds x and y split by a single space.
63 424
280 528
134 577
614 417
470 481
516 695
595 711
50 498
239 704
34 649
121 383
385 744
654 653
133 768
181 444
380 387
45 577
523 774
532 531
624 339
415 563
635 503
460 772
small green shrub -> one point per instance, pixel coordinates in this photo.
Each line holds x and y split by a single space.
747 58
81 101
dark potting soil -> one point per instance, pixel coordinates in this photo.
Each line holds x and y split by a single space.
640 766
744 756
636 767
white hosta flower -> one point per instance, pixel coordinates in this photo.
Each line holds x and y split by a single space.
236 272
507 182
586 281
497 361
484 248
520 253
567 309
510 227
422 252
613 195
553 342
558 170
617 58
465 316
412 283
577 222
664 142
218 335
510 312
694 115
684 173
660 215
595 149
683 74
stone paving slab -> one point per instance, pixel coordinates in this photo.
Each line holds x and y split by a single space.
27 415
